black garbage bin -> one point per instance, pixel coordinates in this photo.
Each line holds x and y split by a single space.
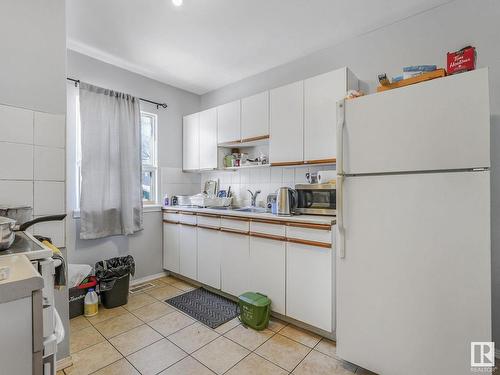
113 278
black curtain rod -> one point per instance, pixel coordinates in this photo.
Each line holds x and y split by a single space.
158 105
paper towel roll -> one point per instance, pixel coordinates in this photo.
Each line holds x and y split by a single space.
325 177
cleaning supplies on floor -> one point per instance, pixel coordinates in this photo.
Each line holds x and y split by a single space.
91 302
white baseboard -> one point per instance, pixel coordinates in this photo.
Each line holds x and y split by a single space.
64 363
148 278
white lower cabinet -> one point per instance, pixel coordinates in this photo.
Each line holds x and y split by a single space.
267 267
309 285
188 251
209 257
171 246
234 263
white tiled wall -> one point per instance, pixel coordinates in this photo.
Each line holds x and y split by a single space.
32 150
176 182
268 180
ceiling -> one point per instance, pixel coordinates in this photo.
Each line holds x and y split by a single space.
206 44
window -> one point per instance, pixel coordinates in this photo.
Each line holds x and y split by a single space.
149 159
148 151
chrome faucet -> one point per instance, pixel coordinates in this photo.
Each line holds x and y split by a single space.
253 201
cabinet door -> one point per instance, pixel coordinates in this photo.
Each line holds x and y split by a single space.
171 247
191 142
287 124
208 139
209 257
255 116
321 94
267 262
188 249
309 285
234 263
228 122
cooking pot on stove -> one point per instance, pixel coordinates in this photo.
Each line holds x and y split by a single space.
8 227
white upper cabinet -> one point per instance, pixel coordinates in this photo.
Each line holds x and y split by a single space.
287 124
191 142
208 139
321 94
228 122
255 116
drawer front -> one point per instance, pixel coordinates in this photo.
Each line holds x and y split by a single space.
267 228
170 216
309 234
241 225
187 219
208 221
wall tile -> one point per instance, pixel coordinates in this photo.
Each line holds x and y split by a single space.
276 175
288 175
49 198
14 193
55 230
49 163
16 125
17 161
49 130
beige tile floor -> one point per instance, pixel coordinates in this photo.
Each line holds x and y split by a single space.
148 337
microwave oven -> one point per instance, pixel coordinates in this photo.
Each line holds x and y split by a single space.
316 199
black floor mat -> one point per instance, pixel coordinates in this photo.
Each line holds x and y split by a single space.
206 307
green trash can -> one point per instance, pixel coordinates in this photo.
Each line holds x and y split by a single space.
255 310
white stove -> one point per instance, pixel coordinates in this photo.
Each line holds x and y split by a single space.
26 244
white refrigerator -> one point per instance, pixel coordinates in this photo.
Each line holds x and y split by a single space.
413 237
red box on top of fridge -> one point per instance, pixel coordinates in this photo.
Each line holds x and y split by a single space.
461 61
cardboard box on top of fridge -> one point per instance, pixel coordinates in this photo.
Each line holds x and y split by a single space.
461 61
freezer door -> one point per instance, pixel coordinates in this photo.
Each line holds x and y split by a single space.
414 286
437 125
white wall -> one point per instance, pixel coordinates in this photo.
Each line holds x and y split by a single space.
33 76
145 246
422 39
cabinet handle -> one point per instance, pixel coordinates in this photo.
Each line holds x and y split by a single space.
170 221
310 225
268 236
187 213
188 224
310 243
208 227
235 218
234 231
207 215
275 222
170 211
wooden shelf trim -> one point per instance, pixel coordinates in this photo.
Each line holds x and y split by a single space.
253 139
207 215
321 161
165 211
286 163
188 224
438 73
268 221
187 213
310 243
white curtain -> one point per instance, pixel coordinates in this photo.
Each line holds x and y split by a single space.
111 193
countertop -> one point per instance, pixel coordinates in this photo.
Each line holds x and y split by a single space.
22 281
311 219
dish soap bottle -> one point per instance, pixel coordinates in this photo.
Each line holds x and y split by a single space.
90 303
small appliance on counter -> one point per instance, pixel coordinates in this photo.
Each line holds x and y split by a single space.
316 199
271 203
286 201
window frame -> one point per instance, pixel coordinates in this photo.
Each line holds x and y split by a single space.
151 167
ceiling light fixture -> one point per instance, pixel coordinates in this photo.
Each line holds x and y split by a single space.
177 3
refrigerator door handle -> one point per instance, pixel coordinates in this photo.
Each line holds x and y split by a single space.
340 216
340 177
340 136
